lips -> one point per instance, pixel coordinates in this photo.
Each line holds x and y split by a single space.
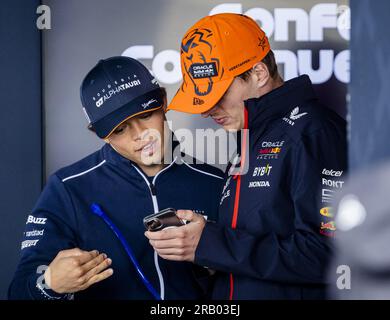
149 148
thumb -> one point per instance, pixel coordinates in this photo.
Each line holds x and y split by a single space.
188 215
47 277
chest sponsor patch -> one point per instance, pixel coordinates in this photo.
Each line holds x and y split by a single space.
328 229
327 212
34 233
332 183
259 184
330 226
29 243
272 144
294 115
269 153
34 220
262 171
225 190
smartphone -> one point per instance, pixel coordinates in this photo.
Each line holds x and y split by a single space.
162 219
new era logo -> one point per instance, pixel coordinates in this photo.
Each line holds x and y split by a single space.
197 101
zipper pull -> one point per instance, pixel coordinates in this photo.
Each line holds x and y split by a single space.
153 189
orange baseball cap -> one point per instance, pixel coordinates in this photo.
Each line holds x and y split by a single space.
213 52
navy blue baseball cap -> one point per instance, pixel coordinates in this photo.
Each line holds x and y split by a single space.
117 89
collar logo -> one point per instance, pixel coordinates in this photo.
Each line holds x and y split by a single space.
295 115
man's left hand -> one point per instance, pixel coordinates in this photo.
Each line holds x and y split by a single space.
179 244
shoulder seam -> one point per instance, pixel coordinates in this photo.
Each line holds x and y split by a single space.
84 172
201 171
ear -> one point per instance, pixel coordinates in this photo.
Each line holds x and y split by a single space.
165 101
261 74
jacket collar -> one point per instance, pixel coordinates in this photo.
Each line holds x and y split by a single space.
278 102
113 157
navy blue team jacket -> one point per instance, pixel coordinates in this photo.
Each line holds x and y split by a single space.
274 236
62 219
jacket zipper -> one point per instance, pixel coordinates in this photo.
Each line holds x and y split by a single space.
153 193
237 195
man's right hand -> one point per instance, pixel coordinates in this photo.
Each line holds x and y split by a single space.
75 270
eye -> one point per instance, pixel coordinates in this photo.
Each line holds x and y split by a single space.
145 116
120 129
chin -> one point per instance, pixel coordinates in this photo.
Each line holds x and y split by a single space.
231 128
153 159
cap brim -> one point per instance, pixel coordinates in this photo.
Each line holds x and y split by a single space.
106 126
129 117
189 102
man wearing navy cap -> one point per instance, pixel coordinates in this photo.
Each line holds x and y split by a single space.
127 179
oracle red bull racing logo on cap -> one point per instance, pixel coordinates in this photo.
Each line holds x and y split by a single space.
203 70
198 61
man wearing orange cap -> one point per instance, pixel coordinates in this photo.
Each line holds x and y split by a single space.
273 237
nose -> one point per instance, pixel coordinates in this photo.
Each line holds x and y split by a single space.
208 112
205 114
138 130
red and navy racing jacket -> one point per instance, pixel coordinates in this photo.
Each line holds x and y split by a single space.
274 236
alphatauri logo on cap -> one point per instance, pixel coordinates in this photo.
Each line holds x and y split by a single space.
113 89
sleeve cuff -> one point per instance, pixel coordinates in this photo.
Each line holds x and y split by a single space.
41 291
205 253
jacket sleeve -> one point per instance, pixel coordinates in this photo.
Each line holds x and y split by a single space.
49 229
302 257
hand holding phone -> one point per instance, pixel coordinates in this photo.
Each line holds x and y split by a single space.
162 219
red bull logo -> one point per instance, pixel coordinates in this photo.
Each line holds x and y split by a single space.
270 150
